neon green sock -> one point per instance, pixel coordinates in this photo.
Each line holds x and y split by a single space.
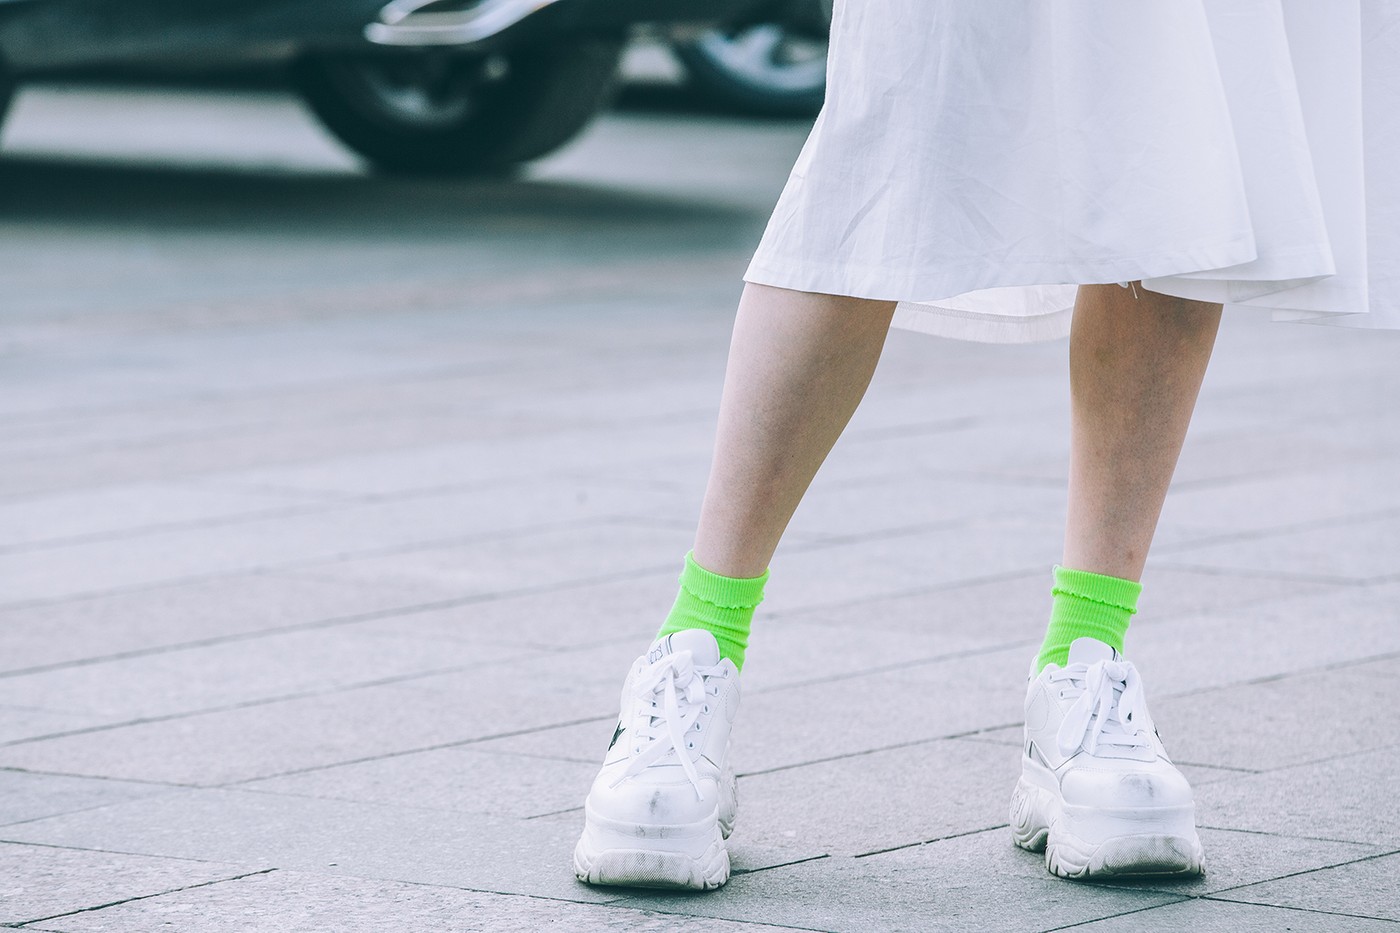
1087 605
722 606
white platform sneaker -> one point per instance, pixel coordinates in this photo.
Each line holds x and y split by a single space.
663 804
1097 791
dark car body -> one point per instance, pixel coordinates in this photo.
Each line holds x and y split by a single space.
445 86
38 36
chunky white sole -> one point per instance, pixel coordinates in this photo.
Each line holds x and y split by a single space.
1094 842
692 857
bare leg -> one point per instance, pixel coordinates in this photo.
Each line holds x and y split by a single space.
1137 359
798 367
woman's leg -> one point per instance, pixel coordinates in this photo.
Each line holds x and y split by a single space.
1136 360
799 365
1097 790
658 812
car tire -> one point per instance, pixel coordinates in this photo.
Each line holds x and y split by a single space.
446 113
7 95
767 69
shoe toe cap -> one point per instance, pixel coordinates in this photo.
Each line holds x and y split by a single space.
655 798
1159 786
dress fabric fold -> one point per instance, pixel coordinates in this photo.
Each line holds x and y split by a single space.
976 161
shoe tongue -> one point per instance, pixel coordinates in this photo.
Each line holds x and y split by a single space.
704 650
1088 650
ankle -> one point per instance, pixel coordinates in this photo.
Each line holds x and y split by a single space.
719 604
1087 605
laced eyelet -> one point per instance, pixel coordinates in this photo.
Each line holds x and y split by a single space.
704 709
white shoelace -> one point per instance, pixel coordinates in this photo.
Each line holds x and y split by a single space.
672 694
1109 693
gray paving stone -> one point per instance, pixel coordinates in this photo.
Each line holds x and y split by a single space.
784 653
583 742
1006 610
1279 722
1370 888
266 739
559 618
979 882
19 723
881 800
1270 449
869 506
492 516
369 840
1169 593
468 369
203 455
1027 449
865 713
1212 916
123 509
302 902
40 881
1345 489
457 780
817 575
1215 648
181 614
1350 798
1360 550
173 683
507 563
1201 774
440 464
329 386
803 723
34 796
957 616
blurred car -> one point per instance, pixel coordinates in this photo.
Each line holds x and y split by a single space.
455 86
772 65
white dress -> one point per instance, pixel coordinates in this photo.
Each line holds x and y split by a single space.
976 159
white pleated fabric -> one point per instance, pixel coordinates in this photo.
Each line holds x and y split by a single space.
976 160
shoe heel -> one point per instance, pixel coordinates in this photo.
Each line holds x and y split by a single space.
1030 825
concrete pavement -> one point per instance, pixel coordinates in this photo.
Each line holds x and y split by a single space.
334 508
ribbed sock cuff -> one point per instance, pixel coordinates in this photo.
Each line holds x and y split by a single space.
722 591
1087 605
722 606
1097 588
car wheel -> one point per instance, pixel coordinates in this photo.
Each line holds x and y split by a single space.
446 113
775 68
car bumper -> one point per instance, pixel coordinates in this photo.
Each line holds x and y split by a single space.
38 36
416 24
